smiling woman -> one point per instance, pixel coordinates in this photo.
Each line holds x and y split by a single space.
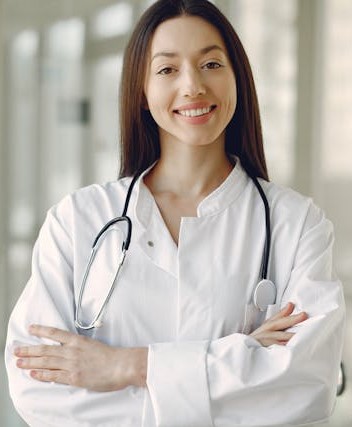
139 131
227 298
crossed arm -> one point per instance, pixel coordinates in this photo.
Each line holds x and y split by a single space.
87 363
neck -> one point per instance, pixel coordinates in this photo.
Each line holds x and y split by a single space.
189 171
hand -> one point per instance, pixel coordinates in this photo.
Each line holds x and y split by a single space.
82 362
273 330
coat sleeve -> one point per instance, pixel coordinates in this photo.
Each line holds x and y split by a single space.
47 299
234 381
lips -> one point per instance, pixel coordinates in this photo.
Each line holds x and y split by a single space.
195 110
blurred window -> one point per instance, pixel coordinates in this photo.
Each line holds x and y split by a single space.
267 29
22 133
63 100
335 175
113 20
105 117
65 39
337 108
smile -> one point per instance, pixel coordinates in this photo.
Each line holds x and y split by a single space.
196 112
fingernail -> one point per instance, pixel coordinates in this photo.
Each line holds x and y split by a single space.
17 351
19 362
34 374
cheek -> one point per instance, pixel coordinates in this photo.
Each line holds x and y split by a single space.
226 91
155 110
155 99
233 104
157 91
157 106
231 98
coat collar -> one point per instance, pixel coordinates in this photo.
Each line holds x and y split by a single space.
214 203
159 246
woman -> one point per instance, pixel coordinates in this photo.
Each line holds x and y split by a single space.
182 341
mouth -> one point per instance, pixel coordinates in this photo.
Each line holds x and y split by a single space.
195 112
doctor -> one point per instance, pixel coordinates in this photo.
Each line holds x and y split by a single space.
182 341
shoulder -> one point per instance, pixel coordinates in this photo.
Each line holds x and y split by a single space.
289 207
284 197
97 194
92 203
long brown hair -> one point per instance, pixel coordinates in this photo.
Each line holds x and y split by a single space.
139 134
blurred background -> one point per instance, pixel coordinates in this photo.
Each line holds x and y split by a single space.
60 63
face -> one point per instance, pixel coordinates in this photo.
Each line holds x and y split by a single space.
190 85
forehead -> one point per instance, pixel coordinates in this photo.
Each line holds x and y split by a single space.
185 34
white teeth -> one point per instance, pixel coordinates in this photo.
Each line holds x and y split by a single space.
196 112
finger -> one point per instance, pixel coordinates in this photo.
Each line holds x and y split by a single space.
273 336
56 376
281 324
287 322
280 338
284 312
54 334
39 350
52 363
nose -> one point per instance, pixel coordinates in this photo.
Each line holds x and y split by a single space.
192 83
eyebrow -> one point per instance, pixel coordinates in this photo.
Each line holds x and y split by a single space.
202 51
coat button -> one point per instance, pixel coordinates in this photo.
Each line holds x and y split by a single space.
150 244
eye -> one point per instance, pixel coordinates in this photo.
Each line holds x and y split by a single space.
212 65
166 70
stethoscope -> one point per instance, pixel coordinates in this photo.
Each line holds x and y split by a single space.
264 293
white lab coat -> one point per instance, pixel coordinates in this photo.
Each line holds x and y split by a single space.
192 305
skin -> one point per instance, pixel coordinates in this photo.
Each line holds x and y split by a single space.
82 362
193 163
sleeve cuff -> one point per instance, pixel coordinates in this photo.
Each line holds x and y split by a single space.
178 384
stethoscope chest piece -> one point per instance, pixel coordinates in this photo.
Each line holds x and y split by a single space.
264 294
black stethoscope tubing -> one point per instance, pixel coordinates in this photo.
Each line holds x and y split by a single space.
123 217
262 285
266 253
